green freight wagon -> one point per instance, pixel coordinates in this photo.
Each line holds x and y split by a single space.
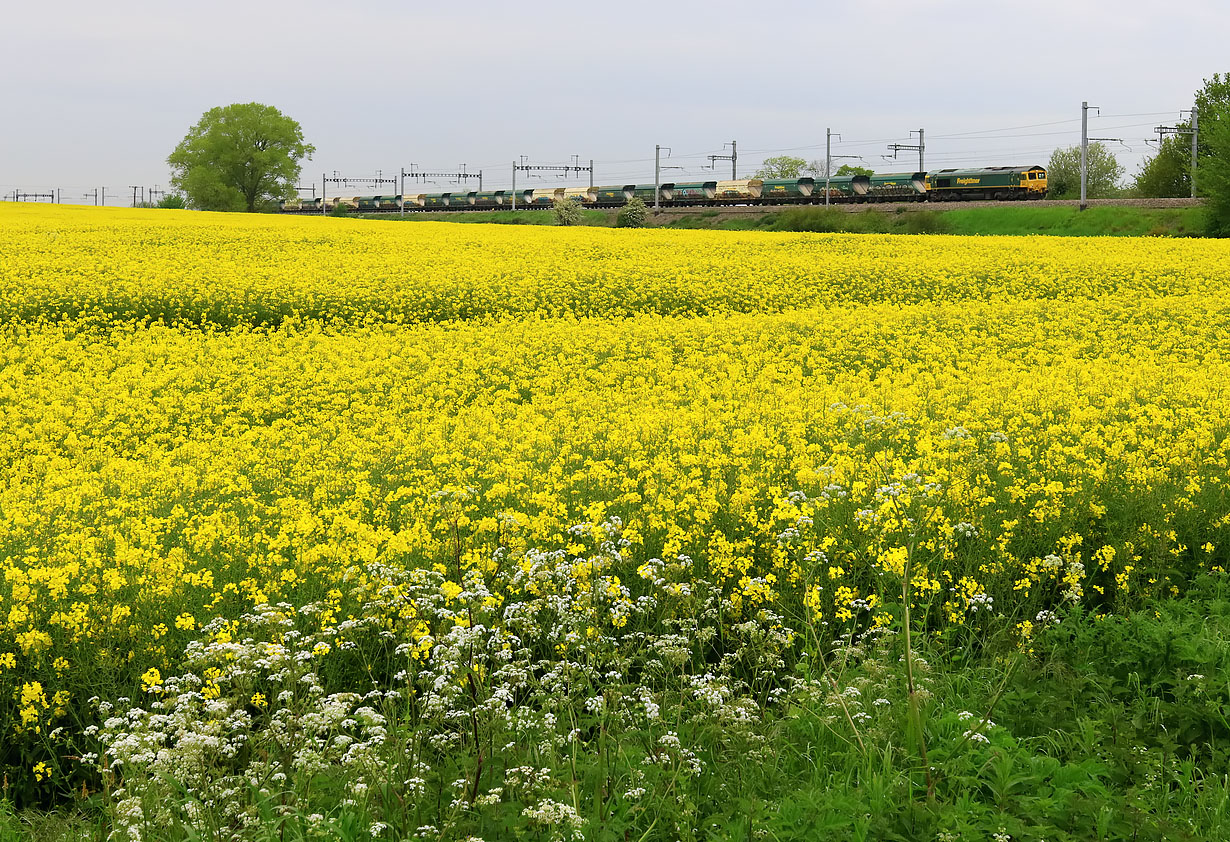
694 193
368 203
778 190
614 194
461 199
644 192
435 201
487 199
842 188
987 183
898 187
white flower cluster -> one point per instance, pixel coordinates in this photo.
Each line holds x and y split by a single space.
964 530
556 815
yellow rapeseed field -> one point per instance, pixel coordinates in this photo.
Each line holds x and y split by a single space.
206 413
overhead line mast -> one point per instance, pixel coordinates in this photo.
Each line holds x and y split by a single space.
325 181
458 176
733 157
920 146
1192 130
575 166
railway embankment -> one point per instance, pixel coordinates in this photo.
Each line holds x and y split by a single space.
1103 217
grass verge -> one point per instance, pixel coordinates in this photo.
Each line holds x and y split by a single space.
1007 220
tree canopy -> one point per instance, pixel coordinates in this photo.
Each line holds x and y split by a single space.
788 166
1064 173
1213 162
849 169
239 157
781 166
1168 173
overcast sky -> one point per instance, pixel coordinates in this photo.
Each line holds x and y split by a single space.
99 93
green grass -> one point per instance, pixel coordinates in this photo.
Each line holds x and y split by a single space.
64 825
1070 222
1007 220
1107 728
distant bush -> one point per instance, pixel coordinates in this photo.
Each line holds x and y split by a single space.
567 211
635 214
817 220
172 201
339 209
926 222
829 220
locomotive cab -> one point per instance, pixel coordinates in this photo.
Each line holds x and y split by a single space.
1034 182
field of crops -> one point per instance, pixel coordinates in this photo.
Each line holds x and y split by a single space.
473 502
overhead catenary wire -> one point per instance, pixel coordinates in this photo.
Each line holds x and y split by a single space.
694 166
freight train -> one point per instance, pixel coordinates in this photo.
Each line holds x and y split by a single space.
985 183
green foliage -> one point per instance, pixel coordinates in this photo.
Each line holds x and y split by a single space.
1213 164
830 220
1213 175
1212 99
927 222
339 209
172 201
1168 173
781 166
1064 173
239 157
567 211
1078 727
849 169
635 214
1026 218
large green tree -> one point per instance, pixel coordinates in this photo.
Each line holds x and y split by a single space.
1212 101
1213 166
1064 173
781 166
239 157
1168 174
